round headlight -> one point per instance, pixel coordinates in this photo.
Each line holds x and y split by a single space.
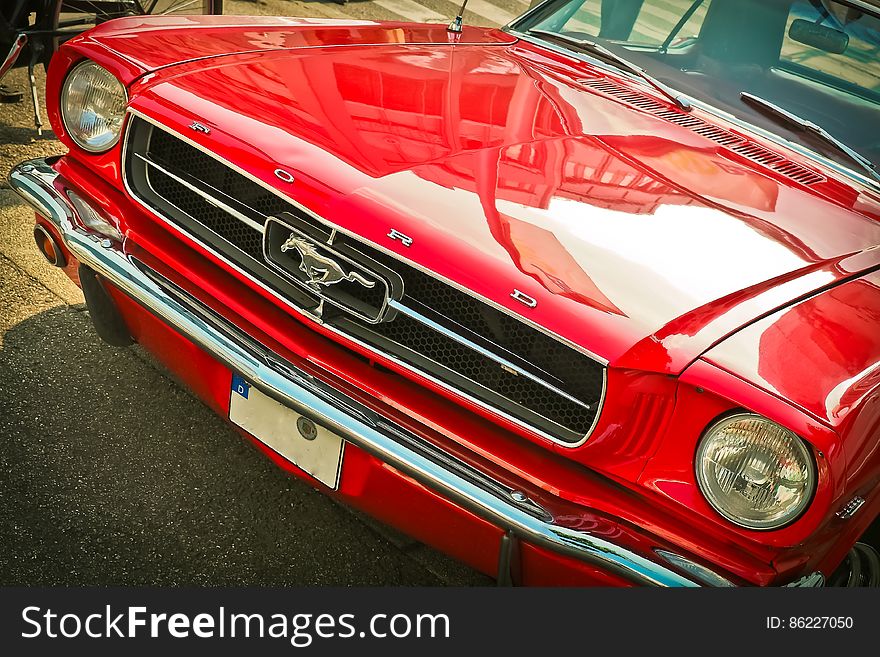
754 472
92 106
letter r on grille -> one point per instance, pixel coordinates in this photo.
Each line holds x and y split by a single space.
406 240
200 127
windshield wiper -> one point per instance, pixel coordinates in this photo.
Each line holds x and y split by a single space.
602 52
809 126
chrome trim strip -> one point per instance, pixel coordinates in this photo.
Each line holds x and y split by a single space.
36 181
304 313
419 317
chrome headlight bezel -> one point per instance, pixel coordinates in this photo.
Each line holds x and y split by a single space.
800 452
112 119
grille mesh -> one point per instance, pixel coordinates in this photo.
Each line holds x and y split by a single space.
218 220
463 360
403 337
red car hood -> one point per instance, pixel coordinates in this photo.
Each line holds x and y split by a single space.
640 240
151 43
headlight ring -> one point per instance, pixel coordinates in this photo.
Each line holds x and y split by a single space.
754 472
93 105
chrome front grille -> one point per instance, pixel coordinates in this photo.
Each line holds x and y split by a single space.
455 339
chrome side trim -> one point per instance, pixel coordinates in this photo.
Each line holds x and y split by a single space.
305 314
37 183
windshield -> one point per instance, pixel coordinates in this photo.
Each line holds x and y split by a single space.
818 59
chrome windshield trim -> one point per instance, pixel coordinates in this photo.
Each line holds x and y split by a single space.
497 412
528 12
37 183
819 159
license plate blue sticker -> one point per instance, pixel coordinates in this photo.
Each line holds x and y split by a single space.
240 386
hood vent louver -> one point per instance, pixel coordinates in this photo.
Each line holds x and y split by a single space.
733 142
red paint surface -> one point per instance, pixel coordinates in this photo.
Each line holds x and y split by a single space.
647 244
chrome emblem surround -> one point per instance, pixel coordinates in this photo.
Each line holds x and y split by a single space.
321 270
320 265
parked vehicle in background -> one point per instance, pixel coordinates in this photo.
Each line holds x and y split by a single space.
32 30
590 299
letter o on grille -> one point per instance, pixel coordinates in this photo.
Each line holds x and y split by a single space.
284 176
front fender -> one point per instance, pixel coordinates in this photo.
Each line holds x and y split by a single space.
821 355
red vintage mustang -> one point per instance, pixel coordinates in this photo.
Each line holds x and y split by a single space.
592 299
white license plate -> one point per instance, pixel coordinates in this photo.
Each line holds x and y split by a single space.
304 443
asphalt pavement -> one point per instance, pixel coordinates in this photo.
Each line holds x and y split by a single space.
111 473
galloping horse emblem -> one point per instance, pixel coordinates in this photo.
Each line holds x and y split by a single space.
320 269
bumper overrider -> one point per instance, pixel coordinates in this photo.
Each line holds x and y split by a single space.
38 183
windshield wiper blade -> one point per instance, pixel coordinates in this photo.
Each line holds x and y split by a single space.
809 126
601 51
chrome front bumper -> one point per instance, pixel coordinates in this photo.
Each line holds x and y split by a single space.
38 184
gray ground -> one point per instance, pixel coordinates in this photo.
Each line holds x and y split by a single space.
111 473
